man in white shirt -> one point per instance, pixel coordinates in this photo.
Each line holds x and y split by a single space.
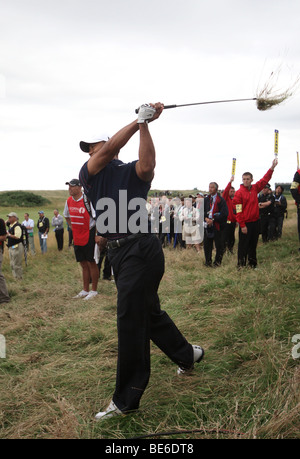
29 224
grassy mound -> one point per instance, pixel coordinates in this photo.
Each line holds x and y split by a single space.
21 199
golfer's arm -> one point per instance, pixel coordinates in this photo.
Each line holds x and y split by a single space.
111 148
146 163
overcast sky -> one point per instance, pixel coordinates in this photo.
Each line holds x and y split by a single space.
71 68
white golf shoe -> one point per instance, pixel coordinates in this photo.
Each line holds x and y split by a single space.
91 294
81 294
111 410
198 356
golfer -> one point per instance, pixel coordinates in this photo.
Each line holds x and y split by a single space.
137 260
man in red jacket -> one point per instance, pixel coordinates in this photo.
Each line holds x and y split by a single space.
247 215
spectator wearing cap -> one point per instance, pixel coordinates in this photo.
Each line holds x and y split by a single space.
15 245
43 227
193 198
83 227
266 208
4 296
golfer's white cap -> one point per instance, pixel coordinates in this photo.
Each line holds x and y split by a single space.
85 144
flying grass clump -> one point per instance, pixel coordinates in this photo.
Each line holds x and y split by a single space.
268 97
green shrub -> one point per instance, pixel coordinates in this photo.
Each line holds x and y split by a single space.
21 199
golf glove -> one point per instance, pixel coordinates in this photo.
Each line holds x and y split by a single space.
145 113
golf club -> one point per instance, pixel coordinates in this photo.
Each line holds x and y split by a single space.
204 103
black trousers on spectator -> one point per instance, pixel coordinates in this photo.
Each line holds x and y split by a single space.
59 234
230 236
219 240
138 268
247 245
264 227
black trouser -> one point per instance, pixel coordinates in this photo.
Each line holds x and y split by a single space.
264 227
219 245
70 236
107 268
247 245
138 268
275 227
59 234
178 240
229 236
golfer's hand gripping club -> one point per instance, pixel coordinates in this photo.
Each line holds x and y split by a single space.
149 112
165 106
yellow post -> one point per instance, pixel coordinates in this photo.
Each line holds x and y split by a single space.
233 166
276 144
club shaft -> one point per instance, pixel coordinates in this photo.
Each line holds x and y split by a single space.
210 102
204 103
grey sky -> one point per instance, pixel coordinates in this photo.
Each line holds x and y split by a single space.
71 68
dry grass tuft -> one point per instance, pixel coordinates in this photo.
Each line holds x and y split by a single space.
268 97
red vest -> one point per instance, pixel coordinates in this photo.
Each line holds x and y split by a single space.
80 220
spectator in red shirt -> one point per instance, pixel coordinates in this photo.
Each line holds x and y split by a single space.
247 215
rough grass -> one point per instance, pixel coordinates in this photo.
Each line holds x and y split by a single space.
61 353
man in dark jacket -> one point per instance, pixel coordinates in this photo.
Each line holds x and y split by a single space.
43 227
295 190
215 218
266 210
280 206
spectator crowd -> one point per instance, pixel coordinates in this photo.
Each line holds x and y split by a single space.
205 222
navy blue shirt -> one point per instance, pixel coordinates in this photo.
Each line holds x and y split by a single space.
119 198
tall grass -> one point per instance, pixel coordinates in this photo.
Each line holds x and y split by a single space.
61 353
